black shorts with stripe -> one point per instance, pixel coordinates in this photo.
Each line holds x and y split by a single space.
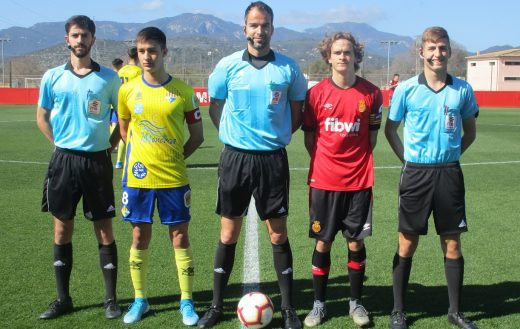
347 211
73 175
261 174
432 188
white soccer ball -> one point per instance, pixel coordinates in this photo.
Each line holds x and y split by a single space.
255 310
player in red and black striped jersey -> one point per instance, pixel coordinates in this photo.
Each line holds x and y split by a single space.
341 120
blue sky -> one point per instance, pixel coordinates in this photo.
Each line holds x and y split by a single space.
475 24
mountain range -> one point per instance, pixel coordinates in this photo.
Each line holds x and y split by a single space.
196 42
44 35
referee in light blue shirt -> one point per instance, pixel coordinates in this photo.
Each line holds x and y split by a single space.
74 114
256 101
439 112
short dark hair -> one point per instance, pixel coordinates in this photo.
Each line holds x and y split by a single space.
152 33
132 53
82 21
117 62
260 5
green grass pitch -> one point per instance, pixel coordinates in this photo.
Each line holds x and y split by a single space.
491 295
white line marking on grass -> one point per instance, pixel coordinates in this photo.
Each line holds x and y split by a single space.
24 162
13 121
251 278
500 124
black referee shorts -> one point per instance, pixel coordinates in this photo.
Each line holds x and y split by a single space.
75 174
427 188
261 174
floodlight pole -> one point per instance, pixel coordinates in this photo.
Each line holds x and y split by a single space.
2 41
388 43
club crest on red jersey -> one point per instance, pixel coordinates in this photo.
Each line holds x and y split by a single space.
362 106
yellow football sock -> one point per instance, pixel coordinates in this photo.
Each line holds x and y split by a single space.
139 271
185 271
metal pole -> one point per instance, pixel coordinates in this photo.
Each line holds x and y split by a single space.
388 64
3 67
388 43
2 41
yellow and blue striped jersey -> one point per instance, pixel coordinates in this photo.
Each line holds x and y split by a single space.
155 139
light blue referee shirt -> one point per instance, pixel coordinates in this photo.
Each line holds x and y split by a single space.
80 106
257 113
432 129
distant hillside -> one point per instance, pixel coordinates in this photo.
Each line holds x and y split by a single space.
44 35
497 48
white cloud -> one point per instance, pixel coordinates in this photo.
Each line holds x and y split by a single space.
152 5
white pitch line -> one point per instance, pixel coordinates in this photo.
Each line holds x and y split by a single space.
501 124
251 277
24 162
16 121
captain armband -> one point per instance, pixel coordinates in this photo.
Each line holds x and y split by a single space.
193 116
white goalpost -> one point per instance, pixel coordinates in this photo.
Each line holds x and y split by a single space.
32 82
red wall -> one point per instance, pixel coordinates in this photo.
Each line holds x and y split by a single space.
484 98
498 98
30 95
202 94
19 96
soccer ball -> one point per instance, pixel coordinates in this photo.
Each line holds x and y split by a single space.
255 310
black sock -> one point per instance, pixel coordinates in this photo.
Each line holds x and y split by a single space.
454 270
356 272
320 274
401 274
224 260
108 264
282 257
62 269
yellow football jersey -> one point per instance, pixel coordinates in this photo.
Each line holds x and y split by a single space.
128 72
155 141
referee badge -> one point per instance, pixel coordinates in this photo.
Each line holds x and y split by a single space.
94 106
316 226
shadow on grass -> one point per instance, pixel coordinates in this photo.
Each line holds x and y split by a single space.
483 301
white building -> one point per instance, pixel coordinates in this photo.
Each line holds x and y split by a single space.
496 71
